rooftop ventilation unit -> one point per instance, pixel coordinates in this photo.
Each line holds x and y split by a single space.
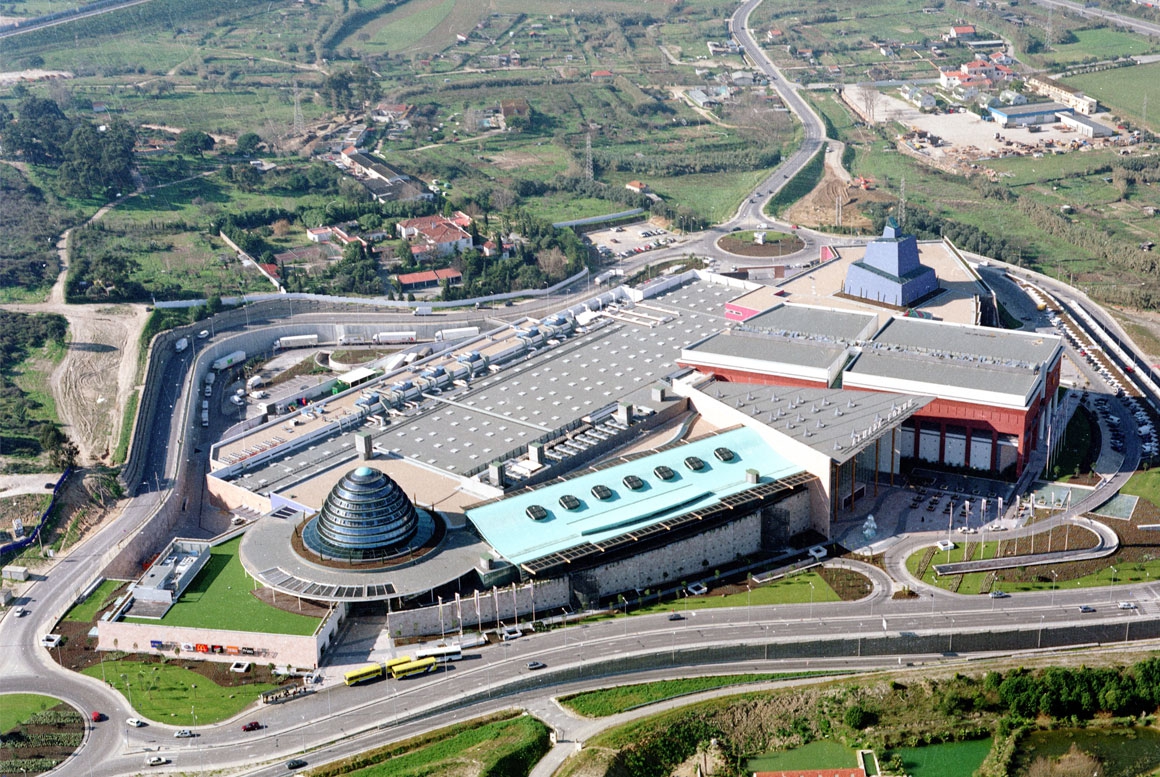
664 473
694 463
536 512
633 483
569 502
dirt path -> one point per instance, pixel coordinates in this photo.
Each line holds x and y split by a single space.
92 382
820 207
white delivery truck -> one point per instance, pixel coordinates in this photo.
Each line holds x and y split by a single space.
181 344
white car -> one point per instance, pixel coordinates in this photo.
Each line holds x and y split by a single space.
20 612
182 733
135 722
203 334
156 760
1127 605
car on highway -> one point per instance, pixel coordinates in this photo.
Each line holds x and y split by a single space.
156 760
203 334
999 594
295 763
20 612
676 616
534 665
182 733
253 725
135 722
97 717
1086 608
1127 605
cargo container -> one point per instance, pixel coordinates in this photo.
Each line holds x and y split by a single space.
296 341
229 360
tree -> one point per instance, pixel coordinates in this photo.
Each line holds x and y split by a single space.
193 143
62 451
858 717
248 143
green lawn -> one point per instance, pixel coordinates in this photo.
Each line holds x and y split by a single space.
1124 90
86 611
508 747
795 589
1145 485
611 701
15 708
220 598
173 694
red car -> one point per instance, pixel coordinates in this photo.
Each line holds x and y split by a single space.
97 717
253 725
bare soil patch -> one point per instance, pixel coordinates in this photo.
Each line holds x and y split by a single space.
514 160
820 207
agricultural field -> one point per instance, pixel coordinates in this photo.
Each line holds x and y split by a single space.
1125 91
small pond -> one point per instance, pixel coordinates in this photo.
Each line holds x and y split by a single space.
950 759
822 754
1123 752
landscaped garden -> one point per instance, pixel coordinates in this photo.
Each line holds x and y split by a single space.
37 733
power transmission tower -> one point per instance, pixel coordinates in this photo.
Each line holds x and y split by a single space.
588 157
299 128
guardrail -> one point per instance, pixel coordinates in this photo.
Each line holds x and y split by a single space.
21 544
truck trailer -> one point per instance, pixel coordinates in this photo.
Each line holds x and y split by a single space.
229 360
296 341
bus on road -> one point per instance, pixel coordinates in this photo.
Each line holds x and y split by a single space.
442 654
419 666
363 674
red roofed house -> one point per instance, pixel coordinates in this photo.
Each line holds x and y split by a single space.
437 235
640 187
414 281
962 32
601 75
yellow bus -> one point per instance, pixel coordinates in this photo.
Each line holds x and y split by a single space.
390 665
422 666
363 674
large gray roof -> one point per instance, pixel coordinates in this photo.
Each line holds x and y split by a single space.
770 348
460 430
821 322
1000 345
834 422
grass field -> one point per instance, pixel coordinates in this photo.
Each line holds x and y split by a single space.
86 611
795 589
1145 485
1100 43
1124 90
33 377
612 701
174 695
505 747
220 598
15 708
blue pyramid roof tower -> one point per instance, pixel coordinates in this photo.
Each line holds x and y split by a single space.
891 273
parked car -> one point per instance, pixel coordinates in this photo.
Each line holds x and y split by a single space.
182 733
135 722
253 725
533 665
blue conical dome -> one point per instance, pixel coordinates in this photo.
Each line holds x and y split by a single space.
365 516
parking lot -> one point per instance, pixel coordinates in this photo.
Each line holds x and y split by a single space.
629 240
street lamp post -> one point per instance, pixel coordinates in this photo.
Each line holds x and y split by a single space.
1054 580
951 642
748 611
811 599
1039 640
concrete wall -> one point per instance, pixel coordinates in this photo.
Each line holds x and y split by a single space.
280 649
507 606
688 559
